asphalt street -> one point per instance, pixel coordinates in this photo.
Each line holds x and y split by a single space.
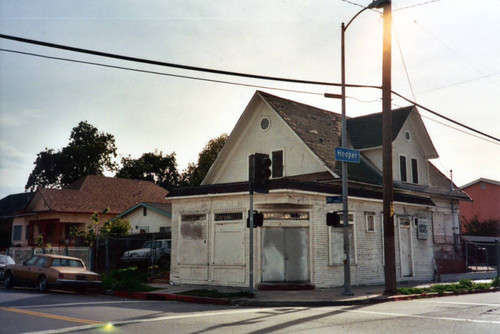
27 311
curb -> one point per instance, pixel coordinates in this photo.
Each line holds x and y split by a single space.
438 294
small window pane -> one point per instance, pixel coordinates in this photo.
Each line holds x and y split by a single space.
17 233
414 170
402 168
370 222
277 167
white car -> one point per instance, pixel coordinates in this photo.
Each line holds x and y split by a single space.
5 260
162 248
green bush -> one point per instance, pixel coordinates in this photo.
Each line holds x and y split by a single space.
462 285
128 279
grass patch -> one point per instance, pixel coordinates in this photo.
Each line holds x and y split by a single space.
461 286
128 279
213 293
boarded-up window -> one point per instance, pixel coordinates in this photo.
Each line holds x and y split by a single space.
337 242
286 215
192 247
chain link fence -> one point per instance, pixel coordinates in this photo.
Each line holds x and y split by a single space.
21 254
149 252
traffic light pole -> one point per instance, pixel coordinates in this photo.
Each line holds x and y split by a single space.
250 261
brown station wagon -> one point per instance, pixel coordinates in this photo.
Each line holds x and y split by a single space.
47 271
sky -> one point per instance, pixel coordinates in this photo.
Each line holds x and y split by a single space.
445 56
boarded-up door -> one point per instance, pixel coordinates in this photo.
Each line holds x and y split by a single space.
285 255
405 247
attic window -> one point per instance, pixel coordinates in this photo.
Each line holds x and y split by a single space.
407 135
265 123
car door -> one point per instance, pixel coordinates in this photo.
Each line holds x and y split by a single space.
24 273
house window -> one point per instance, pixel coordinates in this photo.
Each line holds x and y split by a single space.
277 167
286 215
336 243
17 232
402 168
414 170
370 221
228 216
265 123
144 211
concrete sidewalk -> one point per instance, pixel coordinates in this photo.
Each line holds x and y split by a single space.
368 294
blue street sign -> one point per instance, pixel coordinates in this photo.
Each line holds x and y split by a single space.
347 154
333 199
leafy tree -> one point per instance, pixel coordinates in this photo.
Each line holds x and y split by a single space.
194 174
119 227
89 152
155 167
488 228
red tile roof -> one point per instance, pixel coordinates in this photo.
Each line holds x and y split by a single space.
95 193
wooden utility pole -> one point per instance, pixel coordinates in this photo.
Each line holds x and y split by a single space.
389 245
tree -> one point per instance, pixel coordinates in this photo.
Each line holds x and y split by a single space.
488 228
89 152
155 167
194 174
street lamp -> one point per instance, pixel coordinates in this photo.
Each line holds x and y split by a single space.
347 266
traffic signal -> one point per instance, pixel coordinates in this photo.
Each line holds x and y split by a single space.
332 219
258 219
259 172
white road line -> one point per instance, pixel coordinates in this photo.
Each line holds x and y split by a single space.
458 303
277 310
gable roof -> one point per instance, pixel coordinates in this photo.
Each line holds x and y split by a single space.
496 183
161 208
366 131
96 193
321 131
14 204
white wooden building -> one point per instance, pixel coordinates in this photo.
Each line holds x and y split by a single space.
210 240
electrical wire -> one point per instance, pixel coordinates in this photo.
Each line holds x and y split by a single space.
457 54
178 66
415 5
403 60
254 76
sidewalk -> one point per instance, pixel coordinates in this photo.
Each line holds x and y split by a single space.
368 294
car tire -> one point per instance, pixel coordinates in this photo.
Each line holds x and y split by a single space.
43 284
8 280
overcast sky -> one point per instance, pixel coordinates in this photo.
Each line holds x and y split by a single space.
451 51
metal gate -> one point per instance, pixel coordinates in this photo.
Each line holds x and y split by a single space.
285 254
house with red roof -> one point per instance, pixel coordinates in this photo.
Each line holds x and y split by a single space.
210 238
52 213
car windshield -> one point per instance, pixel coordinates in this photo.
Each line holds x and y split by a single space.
149 244
67 263
4 259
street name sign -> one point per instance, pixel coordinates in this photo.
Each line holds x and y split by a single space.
333 199
347 154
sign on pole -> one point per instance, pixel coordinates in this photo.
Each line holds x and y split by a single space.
333 199
347 154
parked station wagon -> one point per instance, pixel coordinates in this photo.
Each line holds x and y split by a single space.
47 271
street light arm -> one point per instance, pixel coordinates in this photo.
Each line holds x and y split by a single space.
374 4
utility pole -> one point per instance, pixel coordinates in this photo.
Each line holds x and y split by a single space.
389 245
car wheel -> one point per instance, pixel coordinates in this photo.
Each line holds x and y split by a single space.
8 280
43 284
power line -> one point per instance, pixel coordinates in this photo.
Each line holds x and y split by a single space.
208 70
415 5
446 118
178 66
157 73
